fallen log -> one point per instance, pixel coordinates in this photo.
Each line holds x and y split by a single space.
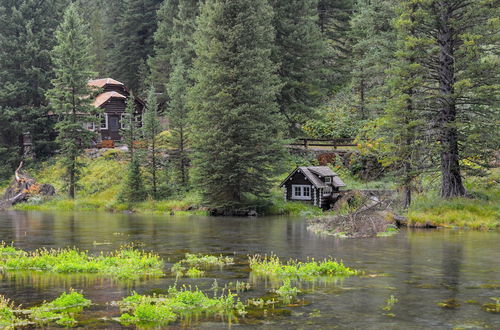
22 188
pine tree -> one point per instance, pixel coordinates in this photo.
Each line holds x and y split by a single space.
235 116
178 114
151 128
373 43
133 40
458 38
299 53
403 126
334 23
26 37
69 97
133 189
160 63
184 26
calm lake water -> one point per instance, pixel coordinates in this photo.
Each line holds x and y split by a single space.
420 268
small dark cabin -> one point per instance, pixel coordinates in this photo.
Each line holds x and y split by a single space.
112 98
317 185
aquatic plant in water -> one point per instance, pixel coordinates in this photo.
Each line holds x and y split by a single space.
449 303
272 266
286 292
178 303
125 263
389 303
493 307
8 318
61 311
206 260
195 261
194 272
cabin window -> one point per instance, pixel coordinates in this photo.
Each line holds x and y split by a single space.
104 121
328 179
89 126
138 119
302 192
123 121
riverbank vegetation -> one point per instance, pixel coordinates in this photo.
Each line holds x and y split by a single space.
126 264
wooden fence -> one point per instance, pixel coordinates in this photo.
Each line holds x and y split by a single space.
332 143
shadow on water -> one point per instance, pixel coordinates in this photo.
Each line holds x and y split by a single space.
421 268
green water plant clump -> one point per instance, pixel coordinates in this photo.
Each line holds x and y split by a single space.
8 318
207 260
286 292
196 261
273 266
178 303
493 307
125 263
61 311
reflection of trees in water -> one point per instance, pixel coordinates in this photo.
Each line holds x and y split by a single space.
452 264
30 285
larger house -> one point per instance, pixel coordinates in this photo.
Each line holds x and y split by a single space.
317 185
112 99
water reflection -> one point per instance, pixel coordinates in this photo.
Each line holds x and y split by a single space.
422 267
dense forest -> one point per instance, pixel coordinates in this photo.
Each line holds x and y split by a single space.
415 82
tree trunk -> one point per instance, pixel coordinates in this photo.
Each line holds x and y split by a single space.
451 185
72 183
181 154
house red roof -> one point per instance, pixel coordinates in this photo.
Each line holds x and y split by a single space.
104 97
103 82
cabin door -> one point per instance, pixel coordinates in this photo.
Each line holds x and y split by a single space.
114 127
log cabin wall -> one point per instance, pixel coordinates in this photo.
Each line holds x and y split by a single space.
114 109
297 179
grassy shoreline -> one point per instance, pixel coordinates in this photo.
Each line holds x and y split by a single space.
101 183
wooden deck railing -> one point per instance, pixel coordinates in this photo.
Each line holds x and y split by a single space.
332 143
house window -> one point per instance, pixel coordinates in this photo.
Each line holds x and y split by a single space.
123 121
328 179
301 192
89 126
138 119
104 121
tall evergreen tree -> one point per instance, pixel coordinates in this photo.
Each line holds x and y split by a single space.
160 63
334 18
458 38
402 126
151 128
69 97
133 189
299 54
184 26
133 40
235 115
26 38
373 42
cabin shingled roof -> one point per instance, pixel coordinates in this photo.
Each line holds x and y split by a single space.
312 173
322 170
103 82
104 97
